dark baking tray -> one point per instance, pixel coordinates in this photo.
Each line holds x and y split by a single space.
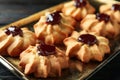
108 69
88 75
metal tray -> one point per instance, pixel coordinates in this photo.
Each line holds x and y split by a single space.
89 68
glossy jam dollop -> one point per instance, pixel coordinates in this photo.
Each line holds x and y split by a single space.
80 3
116 7
53 18
14 31
88 39
45 50
102 17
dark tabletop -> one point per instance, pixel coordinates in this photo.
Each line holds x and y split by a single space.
12 10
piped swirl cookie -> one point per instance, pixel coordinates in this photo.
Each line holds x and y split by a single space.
43 61
86 46
113 10
100 23
14 40
53 27
78 9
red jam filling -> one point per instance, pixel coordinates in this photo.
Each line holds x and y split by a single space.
88 39
53 18
80 3
102 17
45 50
14 31
116 7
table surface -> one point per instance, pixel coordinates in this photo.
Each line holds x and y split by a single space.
13 10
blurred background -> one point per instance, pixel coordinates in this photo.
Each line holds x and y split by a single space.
12 10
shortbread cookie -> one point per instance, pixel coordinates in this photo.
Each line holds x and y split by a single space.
43 60
78 9
14 40
53 27
86 46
